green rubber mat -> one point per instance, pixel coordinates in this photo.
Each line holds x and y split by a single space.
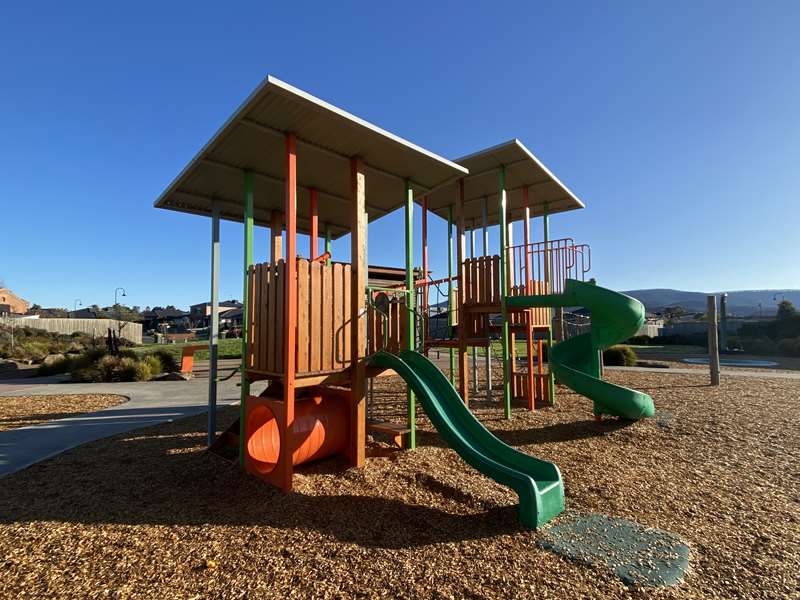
636 554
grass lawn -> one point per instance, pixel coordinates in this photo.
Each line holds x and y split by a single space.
228 348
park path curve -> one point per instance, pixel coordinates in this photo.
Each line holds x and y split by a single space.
149 403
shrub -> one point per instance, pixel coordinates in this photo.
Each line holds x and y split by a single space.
169 364
640 340
154 365
97 366
61 366
619 356
789 346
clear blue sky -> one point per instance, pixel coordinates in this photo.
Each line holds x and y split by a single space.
677 123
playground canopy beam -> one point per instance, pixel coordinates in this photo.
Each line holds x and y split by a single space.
522 171
327 138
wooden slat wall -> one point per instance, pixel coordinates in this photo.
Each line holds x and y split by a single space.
323 327
394 327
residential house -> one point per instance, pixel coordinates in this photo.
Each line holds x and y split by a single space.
12 304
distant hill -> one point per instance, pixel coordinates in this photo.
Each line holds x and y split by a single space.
740 302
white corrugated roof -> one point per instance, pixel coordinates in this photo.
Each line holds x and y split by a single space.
523 169
327 137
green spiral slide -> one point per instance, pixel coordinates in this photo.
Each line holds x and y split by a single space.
537 482
576 361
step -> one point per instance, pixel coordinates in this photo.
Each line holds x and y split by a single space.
394 430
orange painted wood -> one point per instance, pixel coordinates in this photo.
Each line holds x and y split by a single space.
187 356
288 331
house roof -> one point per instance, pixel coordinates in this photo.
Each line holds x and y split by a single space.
169 312
253 139
523 170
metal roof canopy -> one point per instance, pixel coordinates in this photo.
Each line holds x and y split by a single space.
253 139
523 169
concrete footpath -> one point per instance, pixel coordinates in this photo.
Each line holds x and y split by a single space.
149 403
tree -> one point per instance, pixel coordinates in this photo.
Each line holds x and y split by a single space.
673 313
786 310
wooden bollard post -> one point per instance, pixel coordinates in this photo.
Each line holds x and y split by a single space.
713 342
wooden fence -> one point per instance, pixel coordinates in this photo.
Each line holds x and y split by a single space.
93 327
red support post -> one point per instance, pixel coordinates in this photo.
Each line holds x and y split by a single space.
290 304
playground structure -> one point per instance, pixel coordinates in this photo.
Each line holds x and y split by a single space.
316 330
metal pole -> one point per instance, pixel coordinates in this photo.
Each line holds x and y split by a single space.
410 329
548 284
213 333
425 296
450 289
503 292
248 260
485 220
713 347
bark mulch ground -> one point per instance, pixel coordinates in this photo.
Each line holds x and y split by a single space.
149 514
22 411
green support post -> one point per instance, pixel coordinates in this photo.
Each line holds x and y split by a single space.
248 260
328 243
503 293
551 380
410 314
450 288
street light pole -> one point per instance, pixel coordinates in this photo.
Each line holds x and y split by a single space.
115 294
78 303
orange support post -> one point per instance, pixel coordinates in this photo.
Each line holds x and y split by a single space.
284 468
314 235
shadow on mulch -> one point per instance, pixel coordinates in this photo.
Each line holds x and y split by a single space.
160 477
547 434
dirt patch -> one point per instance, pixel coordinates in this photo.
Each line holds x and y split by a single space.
149 514
22 411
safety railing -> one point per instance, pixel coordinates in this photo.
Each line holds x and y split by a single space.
528 264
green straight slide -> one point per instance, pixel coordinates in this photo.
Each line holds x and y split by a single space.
537 482
576 361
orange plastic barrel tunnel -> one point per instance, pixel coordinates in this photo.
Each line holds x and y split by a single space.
320 429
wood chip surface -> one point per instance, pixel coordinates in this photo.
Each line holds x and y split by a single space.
149 514
22 411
